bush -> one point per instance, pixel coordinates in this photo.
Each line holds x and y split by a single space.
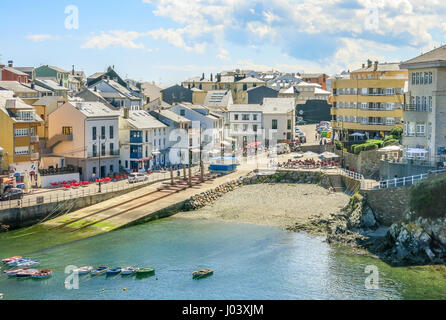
339 145
379 143
391 142
397 132
389 137
427 198
370 146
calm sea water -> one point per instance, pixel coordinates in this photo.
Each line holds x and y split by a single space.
250 262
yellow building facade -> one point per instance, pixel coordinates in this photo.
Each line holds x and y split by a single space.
371 101
18 134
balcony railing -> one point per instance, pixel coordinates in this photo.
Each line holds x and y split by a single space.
111 153
34 156
415 108
34 139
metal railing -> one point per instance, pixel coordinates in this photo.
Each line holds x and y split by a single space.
61 194
400 182
415 107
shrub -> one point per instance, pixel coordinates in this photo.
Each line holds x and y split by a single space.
379 143
397 132
391 142
389 137
339 145
427 198
370 146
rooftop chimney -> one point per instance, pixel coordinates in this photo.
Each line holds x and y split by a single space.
376 66
10 63
363 65
126 113
72 71
369 63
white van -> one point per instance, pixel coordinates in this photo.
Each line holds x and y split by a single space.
137 177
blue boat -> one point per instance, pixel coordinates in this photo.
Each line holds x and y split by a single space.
114 271
99 271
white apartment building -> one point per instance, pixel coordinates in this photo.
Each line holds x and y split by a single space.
279 114
86 134
245 124
424 113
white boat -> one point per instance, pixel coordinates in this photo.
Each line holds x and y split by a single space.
128 271
83 270
1 295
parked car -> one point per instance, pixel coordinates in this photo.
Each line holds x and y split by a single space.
14 194
137 177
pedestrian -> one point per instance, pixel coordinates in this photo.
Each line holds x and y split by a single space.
320 142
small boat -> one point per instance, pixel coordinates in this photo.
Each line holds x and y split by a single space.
42 274
1 295
203 273
10 259
145 271
26 274
127 271
99 271
13 273
83 270
14 262
114 271
28 263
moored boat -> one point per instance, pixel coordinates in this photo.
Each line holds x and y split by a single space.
13 273
113 271
10 259
14 262
26 273
27 263
42 274
99 271
83 270
127 271
145 271
203 273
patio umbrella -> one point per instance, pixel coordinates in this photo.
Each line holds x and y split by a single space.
27 181
310 154
390 148
254 144
39 181
329 155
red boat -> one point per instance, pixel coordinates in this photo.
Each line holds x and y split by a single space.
13 273
10 259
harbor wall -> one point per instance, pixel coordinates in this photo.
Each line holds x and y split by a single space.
26 216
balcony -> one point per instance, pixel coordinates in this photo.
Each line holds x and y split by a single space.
415 108
135 155
34 156
110 154
34 139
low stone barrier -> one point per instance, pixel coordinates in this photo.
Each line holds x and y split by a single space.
282 176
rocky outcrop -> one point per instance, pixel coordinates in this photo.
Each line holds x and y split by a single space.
347 228
416 242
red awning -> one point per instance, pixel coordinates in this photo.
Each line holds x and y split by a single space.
145 159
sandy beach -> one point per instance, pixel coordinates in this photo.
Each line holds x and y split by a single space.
279 205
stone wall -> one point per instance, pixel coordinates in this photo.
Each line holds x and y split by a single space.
389 170
389 205
367 162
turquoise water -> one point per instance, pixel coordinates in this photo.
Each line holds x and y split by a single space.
249 262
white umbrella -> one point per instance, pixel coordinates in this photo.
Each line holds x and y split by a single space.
26 181
390 148
310 154
329 155
39 181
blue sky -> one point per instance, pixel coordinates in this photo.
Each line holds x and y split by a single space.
167 41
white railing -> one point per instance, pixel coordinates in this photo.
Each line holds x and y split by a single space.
351 174
400 182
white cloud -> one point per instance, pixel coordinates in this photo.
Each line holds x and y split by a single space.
175 38
115 38
223 54
41 37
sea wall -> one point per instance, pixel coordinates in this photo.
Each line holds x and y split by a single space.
22 217
367 162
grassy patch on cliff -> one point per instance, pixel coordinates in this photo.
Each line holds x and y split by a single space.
427 198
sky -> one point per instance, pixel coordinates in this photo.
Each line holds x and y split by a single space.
168 41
